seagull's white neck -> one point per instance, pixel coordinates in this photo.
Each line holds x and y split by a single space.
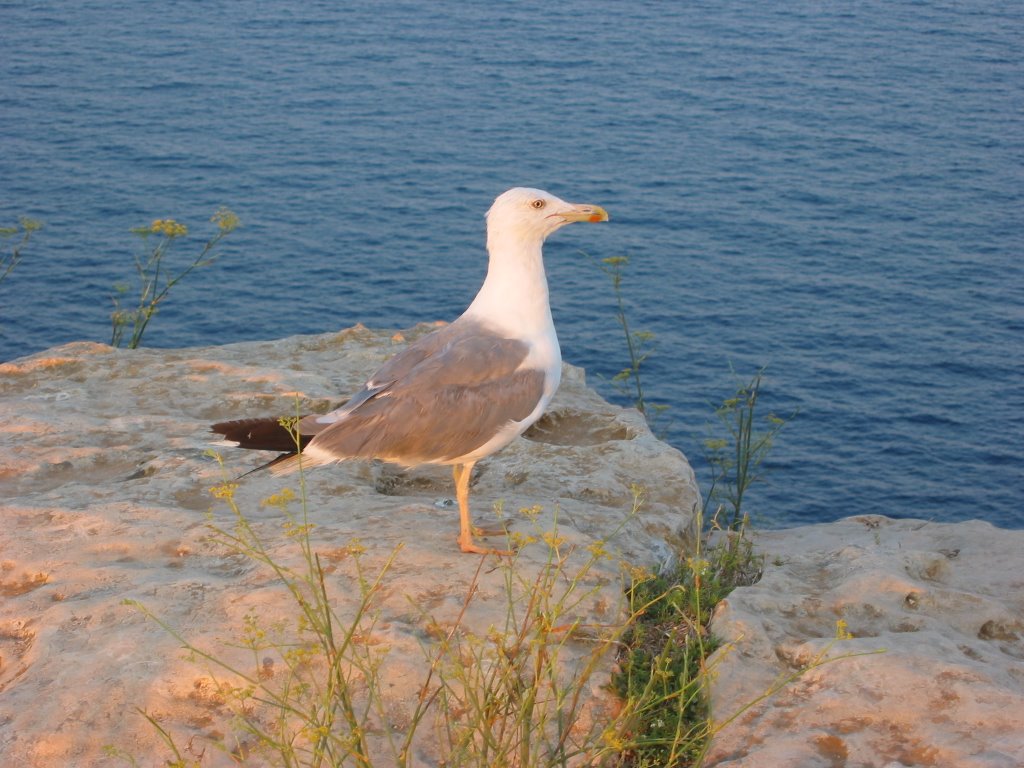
514 296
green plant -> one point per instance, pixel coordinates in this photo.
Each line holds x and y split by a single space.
509 695
26 227
663 667
736 454
639 345
515 695
311 710
155 281
664 670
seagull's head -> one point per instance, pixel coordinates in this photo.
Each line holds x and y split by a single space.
530 215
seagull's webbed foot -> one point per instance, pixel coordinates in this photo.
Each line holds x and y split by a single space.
467 545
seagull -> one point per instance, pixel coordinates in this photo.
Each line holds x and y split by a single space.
462 392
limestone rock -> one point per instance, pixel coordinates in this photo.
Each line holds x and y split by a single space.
106 496
945 604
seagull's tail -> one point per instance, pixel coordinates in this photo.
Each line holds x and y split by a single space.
268 434
265 434
285 465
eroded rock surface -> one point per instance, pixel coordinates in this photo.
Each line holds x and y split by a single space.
106 496
945 605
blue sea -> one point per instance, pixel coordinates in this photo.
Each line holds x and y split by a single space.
830 190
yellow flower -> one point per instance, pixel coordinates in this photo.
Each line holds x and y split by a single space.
279 500
553 540
637 574
168 228
842 633
613 740
531 513
597 550
355 547
225 219
520 540
224 490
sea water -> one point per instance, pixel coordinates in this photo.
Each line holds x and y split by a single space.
831 190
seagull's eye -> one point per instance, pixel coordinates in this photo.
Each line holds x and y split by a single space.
538 204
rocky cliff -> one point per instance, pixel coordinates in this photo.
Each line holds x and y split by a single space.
914 630
106 496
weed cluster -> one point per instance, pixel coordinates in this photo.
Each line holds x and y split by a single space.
312 694
736 454
639 346
516 694
25 227
154 281
663 668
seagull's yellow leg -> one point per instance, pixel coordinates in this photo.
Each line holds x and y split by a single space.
462 474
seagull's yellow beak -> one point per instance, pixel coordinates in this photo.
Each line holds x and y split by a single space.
584 212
